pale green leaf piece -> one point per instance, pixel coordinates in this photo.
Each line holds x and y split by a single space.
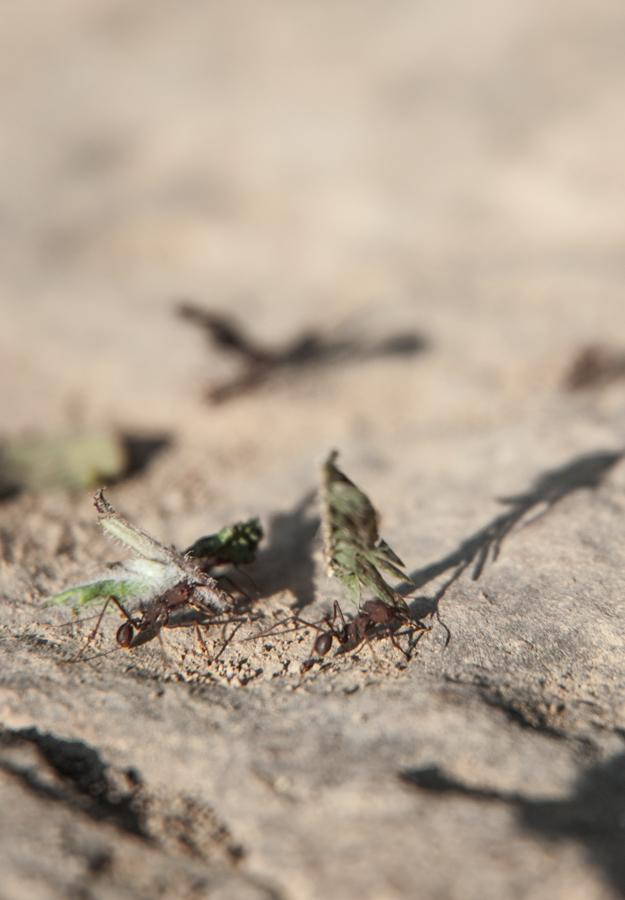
84 594
354 551
153 570
135 539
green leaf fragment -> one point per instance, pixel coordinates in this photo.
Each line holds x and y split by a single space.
354 551
83 594
236 544
154 568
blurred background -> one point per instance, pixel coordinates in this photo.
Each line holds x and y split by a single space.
353 172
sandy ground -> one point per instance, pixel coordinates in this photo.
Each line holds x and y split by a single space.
452 171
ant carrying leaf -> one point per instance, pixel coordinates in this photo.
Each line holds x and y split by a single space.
148 588
353 549
354 554
176 608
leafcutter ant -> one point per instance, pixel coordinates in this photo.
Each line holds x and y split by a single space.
375 619
154 589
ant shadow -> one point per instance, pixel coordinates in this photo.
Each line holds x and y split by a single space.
583 472
306 351
287 562
592 814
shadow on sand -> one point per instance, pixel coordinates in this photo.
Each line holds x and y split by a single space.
72 774
593 814
287 561
583 472
308 351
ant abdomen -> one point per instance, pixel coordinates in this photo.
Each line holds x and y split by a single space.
323 642
125 634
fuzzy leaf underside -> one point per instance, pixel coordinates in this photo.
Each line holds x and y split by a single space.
154 569
135 539
134 580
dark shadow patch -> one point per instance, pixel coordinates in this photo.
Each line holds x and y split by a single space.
9 491
593 814
582 473
595 366
306 351
527 712
73 774
141 450
286 561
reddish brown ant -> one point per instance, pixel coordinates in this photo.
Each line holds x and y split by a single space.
143 627
375 618
176 608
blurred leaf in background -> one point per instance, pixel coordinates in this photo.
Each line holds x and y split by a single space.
71 462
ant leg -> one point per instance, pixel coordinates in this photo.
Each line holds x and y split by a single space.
123 611
92 634
337 612
99 655
270 632
73 622
166 655
249 578
200 639
368 642
440 622
415 640
398 646
228 640
236 587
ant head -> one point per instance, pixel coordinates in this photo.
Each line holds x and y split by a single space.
125 634
323 643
